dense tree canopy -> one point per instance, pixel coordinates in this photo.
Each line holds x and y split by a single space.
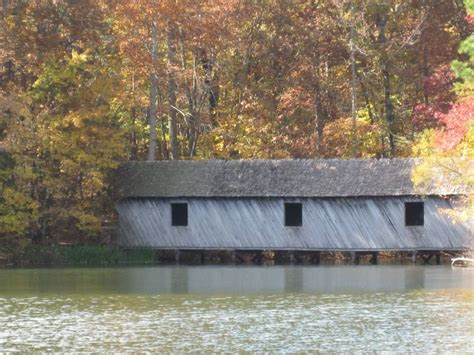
86 85
448 149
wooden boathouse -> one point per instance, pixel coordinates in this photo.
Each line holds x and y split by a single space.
358 206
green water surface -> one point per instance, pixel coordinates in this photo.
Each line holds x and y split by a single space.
238 309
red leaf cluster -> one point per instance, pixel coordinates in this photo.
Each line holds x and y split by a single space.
438 99
456 123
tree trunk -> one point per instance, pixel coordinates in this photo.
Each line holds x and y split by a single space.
211 86
365 93
153 93
389 114
133 135
174 149
353 88
318 107
192 94
318 117
385 66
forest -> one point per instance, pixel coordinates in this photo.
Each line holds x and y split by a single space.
86 85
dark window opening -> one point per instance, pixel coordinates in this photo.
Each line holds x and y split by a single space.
293 214
179 214
414 213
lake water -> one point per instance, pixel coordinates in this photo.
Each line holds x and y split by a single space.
212 308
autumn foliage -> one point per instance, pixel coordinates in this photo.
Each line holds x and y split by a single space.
87 85
448 149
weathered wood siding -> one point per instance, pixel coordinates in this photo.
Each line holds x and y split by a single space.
328 224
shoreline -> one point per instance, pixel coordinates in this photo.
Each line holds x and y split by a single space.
55 255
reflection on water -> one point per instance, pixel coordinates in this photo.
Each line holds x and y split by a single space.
235 309
234 280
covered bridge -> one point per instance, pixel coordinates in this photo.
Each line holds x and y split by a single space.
317 205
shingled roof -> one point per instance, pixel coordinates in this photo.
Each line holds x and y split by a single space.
272 178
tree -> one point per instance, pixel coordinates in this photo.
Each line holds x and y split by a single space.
18 210
339 140
62 126
81 140
87 85
448 152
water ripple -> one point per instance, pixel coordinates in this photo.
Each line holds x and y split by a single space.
412 322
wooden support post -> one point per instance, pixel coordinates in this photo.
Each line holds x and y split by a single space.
202 257
355 258
374 260
156 256
413 257
292 257
317 258
438 258
427 257
176 256
232 256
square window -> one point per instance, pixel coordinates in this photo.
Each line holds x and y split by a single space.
293 214
179 214
414 213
